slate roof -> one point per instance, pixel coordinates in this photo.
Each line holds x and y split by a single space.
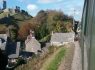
62 37
33 43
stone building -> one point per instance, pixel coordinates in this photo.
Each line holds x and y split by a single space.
8 10
58 39
31 44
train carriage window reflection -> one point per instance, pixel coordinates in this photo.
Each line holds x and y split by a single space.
85 14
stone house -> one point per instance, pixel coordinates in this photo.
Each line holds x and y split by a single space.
9 11
31 44
58 39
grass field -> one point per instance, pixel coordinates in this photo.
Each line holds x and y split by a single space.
54 64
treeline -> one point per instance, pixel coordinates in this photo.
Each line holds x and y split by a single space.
42 24
45 22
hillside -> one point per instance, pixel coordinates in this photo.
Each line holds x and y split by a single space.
10 18
42 24
17 19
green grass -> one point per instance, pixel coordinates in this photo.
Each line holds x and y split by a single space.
54 64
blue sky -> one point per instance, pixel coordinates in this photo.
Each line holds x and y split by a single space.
33 6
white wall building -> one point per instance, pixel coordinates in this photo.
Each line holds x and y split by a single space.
58 39
8 10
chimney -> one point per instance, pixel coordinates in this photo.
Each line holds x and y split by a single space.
32 34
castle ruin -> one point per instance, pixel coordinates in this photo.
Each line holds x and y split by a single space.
9 10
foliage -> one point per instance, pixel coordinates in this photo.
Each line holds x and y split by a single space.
55 62
3 28
55 21
24 31
41 17
42 24
45 22
45 39
24 12
50 20
42 31
14 34
36 62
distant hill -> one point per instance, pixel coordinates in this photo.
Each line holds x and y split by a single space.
43 23
17 19
10 18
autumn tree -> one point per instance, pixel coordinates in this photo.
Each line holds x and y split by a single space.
24 31
54 20
41 17
41 21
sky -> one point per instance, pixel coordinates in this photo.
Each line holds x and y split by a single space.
69 7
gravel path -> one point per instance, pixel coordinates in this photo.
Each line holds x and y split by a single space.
72 60
67 60
77 59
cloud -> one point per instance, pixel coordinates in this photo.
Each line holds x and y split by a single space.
31 7
49 1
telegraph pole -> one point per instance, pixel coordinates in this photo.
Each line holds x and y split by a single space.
73 17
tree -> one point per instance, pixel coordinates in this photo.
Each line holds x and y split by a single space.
42 31
41 21
24 12
41 17
58 27
24 31
54 20
13 32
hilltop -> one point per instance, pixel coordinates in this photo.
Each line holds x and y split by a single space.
7 18
10 16
13 17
